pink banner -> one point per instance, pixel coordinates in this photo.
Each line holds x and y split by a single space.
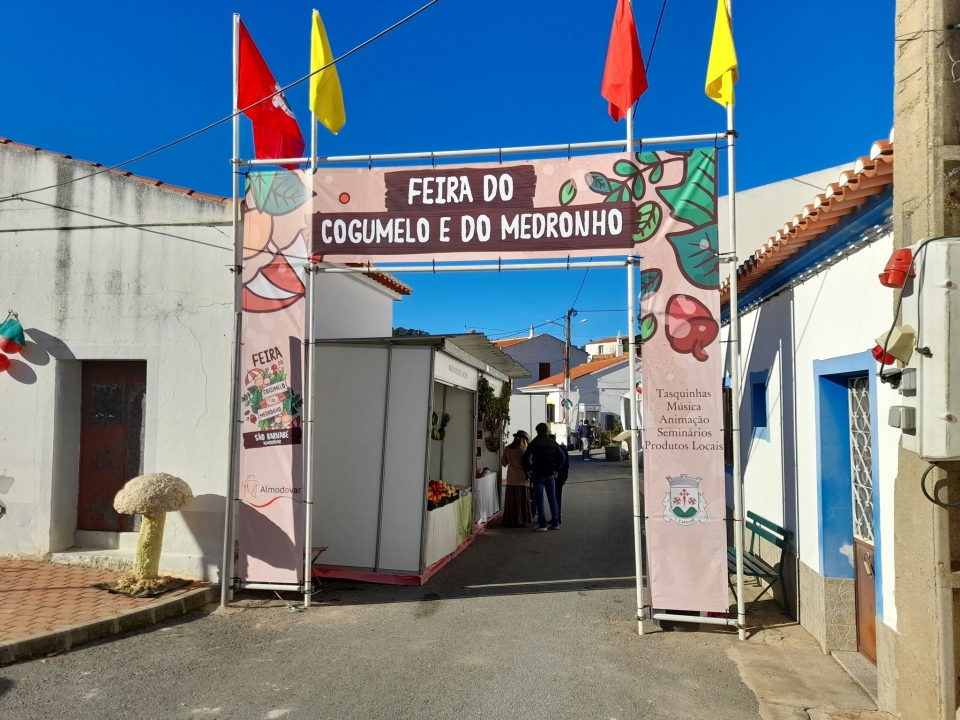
684 495
271 462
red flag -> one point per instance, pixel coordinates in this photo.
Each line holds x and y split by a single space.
275 130
624 78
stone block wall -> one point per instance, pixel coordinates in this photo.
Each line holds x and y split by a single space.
828 609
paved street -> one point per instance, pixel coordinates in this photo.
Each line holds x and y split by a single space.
521 625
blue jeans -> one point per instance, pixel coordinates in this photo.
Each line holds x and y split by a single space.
549 484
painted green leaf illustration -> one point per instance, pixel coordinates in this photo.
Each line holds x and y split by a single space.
648 327
650 282
657 173
621 192
568 191
698 255
278 193
694 199
638 187
648 158
648 221
598 182
625 168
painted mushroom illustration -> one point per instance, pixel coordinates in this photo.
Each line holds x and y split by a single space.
690 327
153 496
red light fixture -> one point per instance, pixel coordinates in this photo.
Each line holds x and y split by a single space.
898 268
881 357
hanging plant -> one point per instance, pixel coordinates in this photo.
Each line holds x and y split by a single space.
495 410
439 429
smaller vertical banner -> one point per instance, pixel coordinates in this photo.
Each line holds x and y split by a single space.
271 527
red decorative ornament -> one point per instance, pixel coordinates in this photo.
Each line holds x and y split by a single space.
4 363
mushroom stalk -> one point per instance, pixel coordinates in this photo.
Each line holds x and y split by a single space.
146 565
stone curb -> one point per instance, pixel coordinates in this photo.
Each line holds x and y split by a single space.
72 635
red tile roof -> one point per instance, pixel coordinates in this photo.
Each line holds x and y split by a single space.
139 178
580 370
510 341
605 340
388 281
869 176
384 279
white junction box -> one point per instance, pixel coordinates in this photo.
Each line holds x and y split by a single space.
931 382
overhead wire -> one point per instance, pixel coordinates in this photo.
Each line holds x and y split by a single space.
229 117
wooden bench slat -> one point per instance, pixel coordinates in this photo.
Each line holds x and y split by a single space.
769 525
770 537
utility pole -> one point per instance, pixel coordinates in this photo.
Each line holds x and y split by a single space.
567 405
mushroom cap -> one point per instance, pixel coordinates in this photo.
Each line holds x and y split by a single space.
152 494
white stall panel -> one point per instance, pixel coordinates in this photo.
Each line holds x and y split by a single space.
527 410
350 396
411 378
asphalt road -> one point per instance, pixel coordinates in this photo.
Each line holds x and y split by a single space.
521 625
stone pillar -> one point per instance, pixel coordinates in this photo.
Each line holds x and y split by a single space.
916 664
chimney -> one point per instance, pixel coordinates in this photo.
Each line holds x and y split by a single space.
531 331
619 345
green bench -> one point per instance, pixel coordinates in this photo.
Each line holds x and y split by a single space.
753 566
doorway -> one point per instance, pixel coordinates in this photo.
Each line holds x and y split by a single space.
861 477
111 439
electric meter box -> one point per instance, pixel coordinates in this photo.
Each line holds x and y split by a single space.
931 304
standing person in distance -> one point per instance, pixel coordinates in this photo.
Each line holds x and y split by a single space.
584 433
562 475
542 461
516 505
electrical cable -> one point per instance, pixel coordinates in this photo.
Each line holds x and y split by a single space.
229 117
656 32
928 496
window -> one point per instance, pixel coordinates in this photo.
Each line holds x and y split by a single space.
758 404
544 372
551 412
727 423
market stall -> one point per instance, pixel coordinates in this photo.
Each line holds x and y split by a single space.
399 443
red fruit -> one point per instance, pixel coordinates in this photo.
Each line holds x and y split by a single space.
4 363
690 326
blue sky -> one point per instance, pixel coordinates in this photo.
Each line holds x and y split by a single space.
106 81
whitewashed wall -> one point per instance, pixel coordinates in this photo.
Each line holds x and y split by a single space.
109 293
836 313
542 349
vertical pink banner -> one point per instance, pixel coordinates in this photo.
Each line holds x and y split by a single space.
275 244
684 489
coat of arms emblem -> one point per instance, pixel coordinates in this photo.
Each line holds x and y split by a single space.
684 504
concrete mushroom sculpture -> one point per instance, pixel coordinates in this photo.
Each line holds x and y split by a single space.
153 496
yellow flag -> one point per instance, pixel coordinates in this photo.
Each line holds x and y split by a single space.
722 68
326 97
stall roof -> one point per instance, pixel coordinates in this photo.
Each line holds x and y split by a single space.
473 348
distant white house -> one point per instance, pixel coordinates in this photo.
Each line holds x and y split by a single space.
607 347
541 355
595 391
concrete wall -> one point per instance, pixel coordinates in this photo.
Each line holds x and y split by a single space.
542 349
87 289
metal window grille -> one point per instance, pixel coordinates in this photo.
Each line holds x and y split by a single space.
861 458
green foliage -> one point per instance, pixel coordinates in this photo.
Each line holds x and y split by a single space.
408 332
568 191
490 405
277 192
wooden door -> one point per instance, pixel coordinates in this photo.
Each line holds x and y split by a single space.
111 439
861 474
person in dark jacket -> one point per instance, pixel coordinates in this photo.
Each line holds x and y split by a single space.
562 475
542 461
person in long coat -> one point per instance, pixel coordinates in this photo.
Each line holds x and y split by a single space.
516 505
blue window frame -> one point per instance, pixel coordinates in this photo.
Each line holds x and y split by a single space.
759 419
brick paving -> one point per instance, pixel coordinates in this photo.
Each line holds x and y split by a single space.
38 597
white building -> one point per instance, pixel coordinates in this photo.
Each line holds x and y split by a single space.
541 355
123 286
816 452
606 347
595 391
